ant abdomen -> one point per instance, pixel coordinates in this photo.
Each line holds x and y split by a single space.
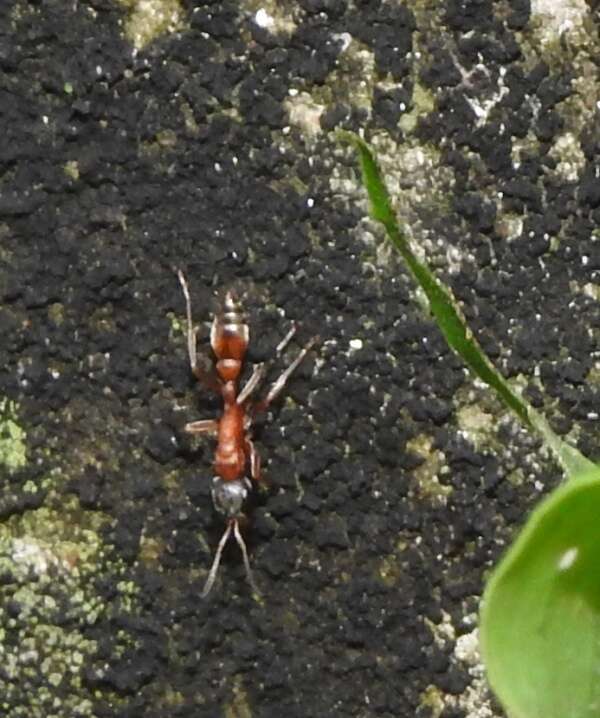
229 337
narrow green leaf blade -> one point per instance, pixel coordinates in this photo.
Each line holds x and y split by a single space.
452 325
448 316
540 618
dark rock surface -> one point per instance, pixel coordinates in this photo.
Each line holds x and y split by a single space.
395 481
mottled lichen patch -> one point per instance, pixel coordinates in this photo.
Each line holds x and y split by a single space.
304 112
555 18
564 34
467 648
56 313
523 147
148 19
475 701
47 600
569 156
509 226
390 570
238 706
593 376
151 550
354 76
423 103
432 700
476 424
581 107
442 632
590 289
71 169
13 453
427 475
350 83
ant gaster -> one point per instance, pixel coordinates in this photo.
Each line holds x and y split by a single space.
235 452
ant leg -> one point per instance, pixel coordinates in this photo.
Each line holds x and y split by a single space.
286 340
260 370
212 574
199 372
191 330
258 374
277 386
204 426
242 545
255 471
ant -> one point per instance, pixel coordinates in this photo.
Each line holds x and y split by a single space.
229 338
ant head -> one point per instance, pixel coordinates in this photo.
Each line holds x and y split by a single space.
229 496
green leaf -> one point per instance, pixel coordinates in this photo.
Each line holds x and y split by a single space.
448 316
540 620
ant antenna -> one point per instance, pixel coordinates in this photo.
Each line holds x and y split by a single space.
212 574
242 545
217 560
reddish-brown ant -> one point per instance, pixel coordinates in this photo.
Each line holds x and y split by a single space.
229 337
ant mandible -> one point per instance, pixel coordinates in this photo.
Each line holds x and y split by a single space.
229 338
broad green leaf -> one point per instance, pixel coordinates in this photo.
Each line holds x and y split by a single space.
449 318
540 619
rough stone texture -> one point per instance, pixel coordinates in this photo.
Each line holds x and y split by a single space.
212 148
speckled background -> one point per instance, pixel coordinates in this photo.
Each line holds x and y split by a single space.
136 137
